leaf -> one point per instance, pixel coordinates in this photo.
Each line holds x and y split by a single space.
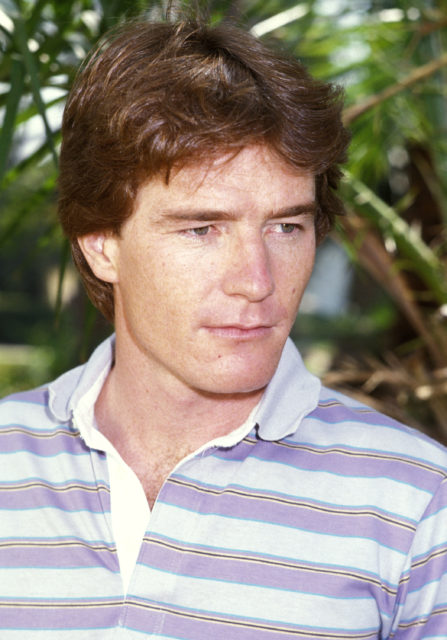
423 260
12 105
30 65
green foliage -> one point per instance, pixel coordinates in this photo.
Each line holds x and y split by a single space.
392 60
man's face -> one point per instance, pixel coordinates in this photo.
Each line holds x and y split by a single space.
209 271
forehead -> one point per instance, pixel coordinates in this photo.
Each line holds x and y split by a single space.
254 175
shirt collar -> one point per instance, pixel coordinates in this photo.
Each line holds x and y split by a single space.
292 393
67 391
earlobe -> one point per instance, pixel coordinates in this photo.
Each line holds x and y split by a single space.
100 251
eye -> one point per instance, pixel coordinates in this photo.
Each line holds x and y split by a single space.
287 227
199 231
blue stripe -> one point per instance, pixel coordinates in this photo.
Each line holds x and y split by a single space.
28 509
111 545
285 526
251 586
435 513
230 616
38 567
294 498
19 400
52 431
442 546
359 411
426 583
41 480
64 628
388 455
362 573
41 455
423 615
340 475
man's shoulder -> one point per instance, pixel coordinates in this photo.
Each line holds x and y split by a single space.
53 402
34 408
344 452
29 433
352 429
24 406
32 434
340 420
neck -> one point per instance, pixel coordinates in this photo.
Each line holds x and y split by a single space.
138 404
154 421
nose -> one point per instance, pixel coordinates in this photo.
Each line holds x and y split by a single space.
248 271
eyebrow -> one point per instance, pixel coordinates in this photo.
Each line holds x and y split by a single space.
201 215
307 208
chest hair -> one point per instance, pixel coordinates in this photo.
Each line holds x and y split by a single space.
153 466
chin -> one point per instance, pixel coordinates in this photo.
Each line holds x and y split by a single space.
240 382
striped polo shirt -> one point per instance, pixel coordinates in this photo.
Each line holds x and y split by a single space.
317 518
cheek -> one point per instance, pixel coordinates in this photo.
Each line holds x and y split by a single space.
307 257
166 289
136 283
297 279
296 268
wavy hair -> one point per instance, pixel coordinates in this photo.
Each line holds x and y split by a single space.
157 95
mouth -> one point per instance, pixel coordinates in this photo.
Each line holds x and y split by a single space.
241 332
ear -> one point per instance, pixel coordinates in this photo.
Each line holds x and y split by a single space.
101 252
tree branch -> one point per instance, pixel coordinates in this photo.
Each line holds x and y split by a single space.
352 113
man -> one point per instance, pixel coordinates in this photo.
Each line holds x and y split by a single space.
193 480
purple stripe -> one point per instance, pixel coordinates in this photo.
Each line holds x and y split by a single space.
71 499
265 572
439 501
345 463
53 556
68 615
428 570
434 627
49 445
295 514
33 396
335 412
181 623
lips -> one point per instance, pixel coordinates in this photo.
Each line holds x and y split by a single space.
241 331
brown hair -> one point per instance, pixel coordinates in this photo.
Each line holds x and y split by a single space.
157 95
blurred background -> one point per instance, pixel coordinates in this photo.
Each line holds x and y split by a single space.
374 320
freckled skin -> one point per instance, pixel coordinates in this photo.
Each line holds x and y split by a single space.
209 271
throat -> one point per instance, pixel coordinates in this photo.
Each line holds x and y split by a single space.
152 466
152 435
